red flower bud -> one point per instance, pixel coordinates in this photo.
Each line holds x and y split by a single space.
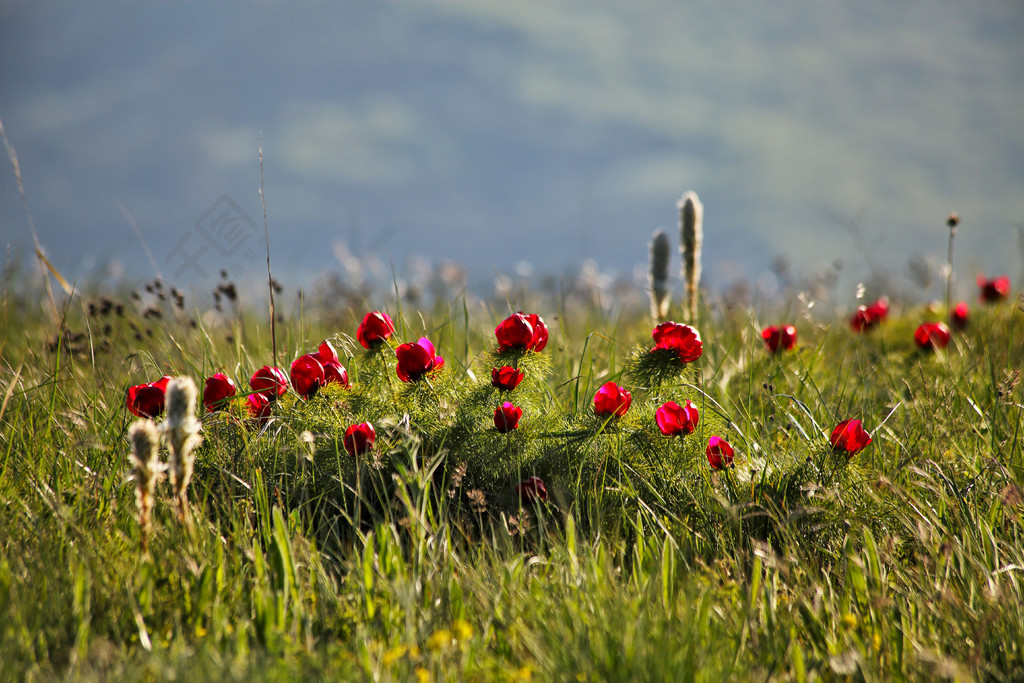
326 353
532 490
514 332
416 359
958 318
674 419
931 336
147 400
218 389
506 378
359 438
307 375
719 452
682 339
867 317
611 399
779 338
375 328
271 382
506 418
849 436
994 290
335 372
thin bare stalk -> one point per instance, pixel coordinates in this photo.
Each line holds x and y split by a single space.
270 278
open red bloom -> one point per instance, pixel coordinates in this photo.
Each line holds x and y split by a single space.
506 417
931 336
849 436
676 420
682 339
958 318
307 375
506 378
416 359
375 328
993 290
271 382
867 317
514 332
532 490
611 399
719 452
218 389
258 406
147 400
359 438
779 338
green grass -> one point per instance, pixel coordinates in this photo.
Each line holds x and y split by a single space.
904 562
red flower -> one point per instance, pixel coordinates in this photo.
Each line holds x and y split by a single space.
258 406
996 289
326 353
958 318
866 317
682 339
506 378
532 490
218 388
375 328
540 332
611 399
307 375
849 436
674 419
416 359
506 418
147 400
271 382
522 331
776 338
359 438
931 336
336 372
719 452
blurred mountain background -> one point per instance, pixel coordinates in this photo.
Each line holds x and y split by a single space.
518 136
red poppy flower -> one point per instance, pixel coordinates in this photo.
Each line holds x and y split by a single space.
359 438
375 328
218 388
307 375
867 317
416 359
849 436
931 336
776 338
719 452
682 339
532 490
147 400
506 418
996 289
336 372
271 382
258 406
674 419
611 399
506 378
958 318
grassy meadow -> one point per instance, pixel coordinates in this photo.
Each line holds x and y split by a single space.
418 560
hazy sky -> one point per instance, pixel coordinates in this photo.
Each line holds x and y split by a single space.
495 132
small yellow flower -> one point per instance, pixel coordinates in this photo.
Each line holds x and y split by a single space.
422 675
393 655
850 620
524 674
440 639
463 631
